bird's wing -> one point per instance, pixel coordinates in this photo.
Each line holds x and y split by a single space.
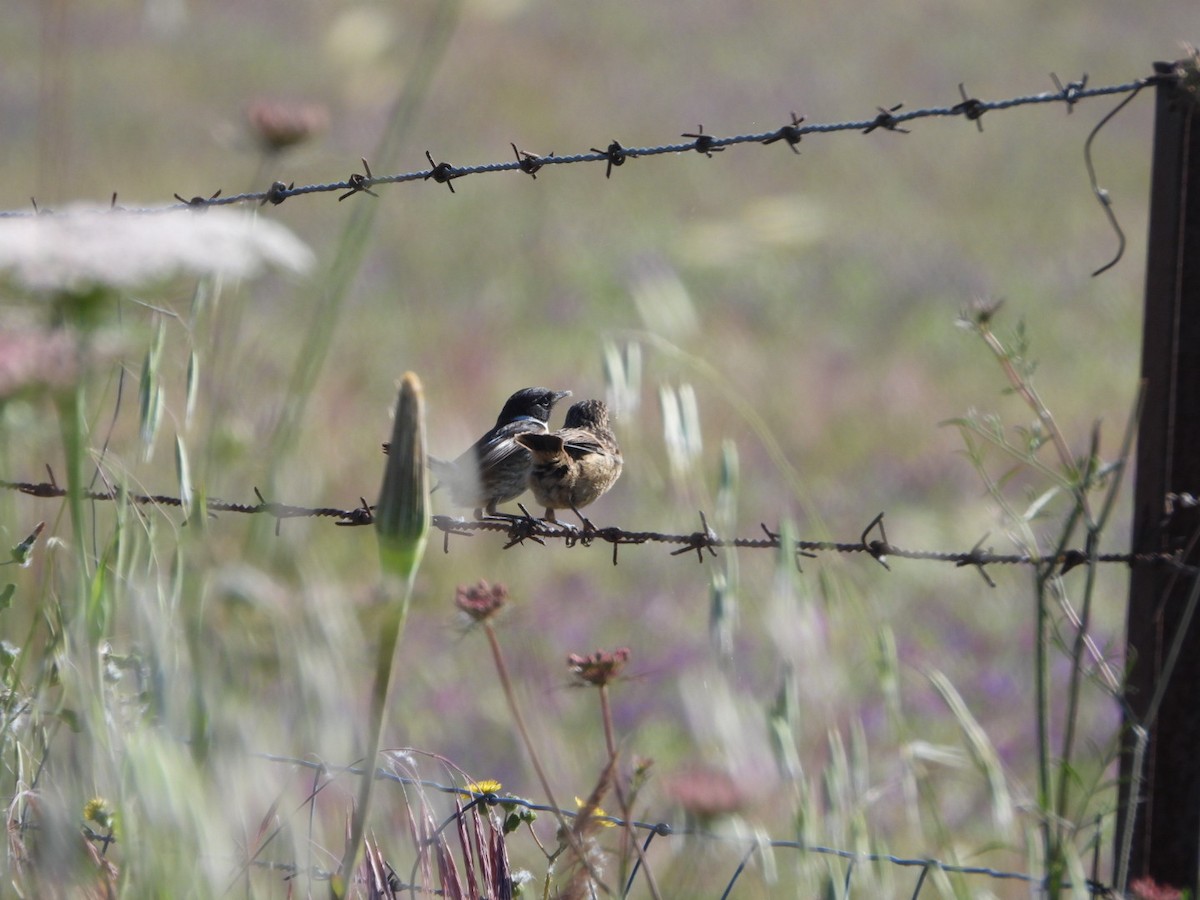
500 443
497 451
579 442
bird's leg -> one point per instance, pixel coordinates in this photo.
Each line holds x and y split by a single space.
587 523
552 519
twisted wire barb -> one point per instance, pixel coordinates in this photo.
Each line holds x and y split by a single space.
523 528
889 119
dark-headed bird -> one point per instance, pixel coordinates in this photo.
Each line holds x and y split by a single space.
496 468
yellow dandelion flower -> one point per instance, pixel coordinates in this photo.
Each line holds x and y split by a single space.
98 811
597 813
489 786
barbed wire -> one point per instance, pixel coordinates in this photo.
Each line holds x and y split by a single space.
615 154
518 529
652 830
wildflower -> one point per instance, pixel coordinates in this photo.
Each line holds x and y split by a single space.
520 878
706 793
32 358
489 786
600 668
278 125
481 601
99 812
594 813
979 314
79 249
641 773
1149 889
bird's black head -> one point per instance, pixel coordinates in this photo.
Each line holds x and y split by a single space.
533 402
587 414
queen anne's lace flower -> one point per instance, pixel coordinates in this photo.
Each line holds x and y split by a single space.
80 248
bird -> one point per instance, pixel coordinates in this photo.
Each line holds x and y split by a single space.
495 469
576 464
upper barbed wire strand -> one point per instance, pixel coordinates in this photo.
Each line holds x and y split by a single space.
527 163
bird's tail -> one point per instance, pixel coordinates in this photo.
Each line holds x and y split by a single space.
442 470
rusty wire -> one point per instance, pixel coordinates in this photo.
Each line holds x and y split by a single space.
520 529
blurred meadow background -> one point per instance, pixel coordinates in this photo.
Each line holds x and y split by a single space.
803 309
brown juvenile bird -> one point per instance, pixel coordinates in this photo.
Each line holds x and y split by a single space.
575 465
496 468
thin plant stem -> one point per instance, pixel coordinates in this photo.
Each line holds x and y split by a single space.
1137 770
1029 394
80 642
394 617
626 812
511 698
1078 649
401 526
1053 803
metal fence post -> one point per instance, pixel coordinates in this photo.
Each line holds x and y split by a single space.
1166 814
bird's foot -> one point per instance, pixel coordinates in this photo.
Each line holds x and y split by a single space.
522 528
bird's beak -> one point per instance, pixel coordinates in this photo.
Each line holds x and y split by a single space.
558 395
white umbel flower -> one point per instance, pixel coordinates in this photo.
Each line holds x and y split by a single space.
79 248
